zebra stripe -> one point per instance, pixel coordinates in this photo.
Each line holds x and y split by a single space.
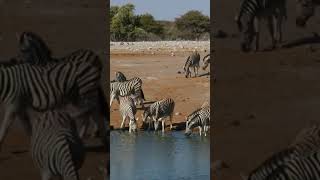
158 111
199 118
56 148
305 143
192 62
305 10
25 86
206 61
299 169
249 16
128 110
126 88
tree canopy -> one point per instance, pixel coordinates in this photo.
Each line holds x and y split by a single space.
127 26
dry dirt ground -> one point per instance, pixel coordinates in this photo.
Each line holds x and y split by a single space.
261 99
64 25
159 74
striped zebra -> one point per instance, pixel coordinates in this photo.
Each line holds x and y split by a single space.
249 16
206 61
159 111
307 168
25 88
192 62
128 110
130 87
199 118
306 142
33 50
305 10
56 148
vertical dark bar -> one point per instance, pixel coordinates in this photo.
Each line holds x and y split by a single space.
212 84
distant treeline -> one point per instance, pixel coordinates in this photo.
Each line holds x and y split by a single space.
127 26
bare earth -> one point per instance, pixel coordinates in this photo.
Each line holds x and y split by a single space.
160 77
262 99
63 24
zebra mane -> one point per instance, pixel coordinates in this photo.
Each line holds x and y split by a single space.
30 42
9 63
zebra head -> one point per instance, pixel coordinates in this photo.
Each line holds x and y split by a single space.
146 115
133 125
32 48
305 10
190 123
245 25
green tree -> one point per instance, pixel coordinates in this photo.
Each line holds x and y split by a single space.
113 11
192 24
123 22
150 25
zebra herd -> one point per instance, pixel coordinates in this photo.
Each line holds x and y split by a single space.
35 82
299 161
129 94
251 12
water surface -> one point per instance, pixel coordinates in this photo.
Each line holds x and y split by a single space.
154 156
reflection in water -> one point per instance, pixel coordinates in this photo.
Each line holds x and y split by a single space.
157 156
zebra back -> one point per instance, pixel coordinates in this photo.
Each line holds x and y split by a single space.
55 145
306 168
306 142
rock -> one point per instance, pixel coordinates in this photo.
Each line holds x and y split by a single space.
177 113
179 72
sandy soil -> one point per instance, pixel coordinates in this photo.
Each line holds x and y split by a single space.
161 80
262 99
63 24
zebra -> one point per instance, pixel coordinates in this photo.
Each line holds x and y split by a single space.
192 61
130 87
306 142
56 148
158 111
128 109
199 118
306 168
305 10
206 61
25 88
249 16
33 50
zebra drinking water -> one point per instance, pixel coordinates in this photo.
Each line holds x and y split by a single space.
26 88
128 110
56 148
158 111
192 62
199 118
305 10
249 16
131 87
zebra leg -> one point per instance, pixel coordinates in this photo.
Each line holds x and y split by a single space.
200 130
194 71
123 120
163 125
170 122
271 31
9 117
112 98
256 33
279 29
